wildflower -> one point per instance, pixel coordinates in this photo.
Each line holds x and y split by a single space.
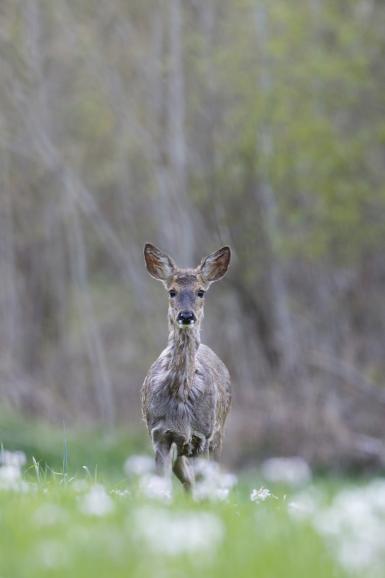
293 471
174 534
305 504
156 487
260 495
214 489
10 471
14 459
80 486
49 515
97 502
208 491
51 554
121 493
138 465
205 468
211 482
9 475
354 524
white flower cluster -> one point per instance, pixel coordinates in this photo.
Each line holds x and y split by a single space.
211 483
49 514
96 502
175 533
11 464
354 523
156 487
142 468
293 471
260 495
139 465
306 504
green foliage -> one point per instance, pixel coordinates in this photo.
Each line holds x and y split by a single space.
320 80
67 450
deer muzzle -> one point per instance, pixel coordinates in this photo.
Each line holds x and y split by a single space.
186 318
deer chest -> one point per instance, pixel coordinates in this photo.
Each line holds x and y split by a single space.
186 417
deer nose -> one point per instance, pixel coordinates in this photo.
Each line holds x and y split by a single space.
186 318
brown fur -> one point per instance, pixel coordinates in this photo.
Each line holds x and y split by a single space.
186 394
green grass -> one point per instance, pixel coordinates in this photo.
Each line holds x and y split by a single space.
69 449
45 532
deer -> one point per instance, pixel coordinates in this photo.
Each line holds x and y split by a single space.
186 394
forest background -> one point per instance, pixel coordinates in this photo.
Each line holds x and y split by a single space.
258 124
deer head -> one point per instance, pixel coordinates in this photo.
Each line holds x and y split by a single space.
186 287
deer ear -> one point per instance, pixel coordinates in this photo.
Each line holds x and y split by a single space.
159 264
215 265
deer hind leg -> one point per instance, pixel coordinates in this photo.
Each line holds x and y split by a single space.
183 472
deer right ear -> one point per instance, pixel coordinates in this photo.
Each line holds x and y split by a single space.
159 264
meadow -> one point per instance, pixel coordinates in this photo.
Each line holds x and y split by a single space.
87 505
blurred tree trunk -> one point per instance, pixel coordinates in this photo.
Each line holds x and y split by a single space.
177 147
176 97
9 293
210 118
39 296
282 326
97 358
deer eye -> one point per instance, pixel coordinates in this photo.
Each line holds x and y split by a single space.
200 293
172 292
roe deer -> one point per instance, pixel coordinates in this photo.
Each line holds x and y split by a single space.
186 394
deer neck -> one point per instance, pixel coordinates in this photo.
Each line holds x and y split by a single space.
183 346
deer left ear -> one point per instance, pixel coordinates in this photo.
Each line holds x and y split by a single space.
215 265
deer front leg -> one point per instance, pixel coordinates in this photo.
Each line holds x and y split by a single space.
163 460
164 452
184 473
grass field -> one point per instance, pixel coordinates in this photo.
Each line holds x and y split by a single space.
64 520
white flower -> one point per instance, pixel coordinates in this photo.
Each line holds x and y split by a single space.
228 480
156 487
49 515
14 459
10 479
205 468
355 525
305 505
207 491
80 486
211 482
10 471
138 465
97 502
9 475
51 554
293 471
260 495
203 492
121 493
173 534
